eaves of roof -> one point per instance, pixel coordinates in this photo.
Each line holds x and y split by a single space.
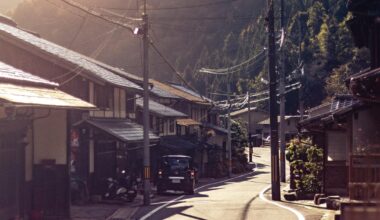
182 94
12 74
62 56
161 110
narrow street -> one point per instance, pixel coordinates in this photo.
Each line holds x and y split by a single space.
238 198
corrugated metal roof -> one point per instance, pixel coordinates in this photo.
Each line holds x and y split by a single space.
10 73
124 130
160 109
76 59
32 96
187 122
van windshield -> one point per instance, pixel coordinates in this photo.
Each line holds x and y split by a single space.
174 163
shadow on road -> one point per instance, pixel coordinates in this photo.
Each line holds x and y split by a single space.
178 207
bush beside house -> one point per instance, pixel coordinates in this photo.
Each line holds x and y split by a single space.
306 164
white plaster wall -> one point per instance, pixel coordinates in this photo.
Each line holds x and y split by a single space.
50 136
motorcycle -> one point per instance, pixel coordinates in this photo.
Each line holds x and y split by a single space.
122 189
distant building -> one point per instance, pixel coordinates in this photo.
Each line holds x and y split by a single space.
257 115
291 122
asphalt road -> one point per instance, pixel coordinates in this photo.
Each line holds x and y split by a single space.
238 198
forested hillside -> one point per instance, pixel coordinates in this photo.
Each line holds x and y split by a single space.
213 34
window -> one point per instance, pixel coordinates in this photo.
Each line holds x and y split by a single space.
171 125
150 122
103 97
160 125
130 102
336 146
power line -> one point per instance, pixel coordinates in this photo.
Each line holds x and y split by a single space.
232 69
63 8
216 18
173 68
215 3
96 14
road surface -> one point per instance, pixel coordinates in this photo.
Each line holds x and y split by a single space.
238 198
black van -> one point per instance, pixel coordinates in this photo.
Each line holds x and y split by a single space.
176 172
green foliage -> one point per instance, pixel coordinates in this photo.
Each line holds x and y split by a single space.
239 134
306 161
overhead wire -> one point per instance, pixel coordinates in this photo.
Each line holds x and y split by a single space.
176 7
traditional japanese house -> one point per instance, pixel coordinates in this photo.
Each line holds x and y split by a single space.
102 138
34 156
331 127
364 178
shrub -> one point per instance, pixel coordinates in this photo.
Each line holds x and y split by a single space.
306 161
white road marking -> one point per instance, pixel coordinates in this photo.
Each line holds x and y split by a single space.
180 197
297 213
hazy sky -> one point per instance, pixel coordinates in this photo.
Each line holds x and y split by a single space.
6 5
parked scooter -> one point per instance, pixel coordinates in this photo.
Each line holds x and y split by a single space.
123 188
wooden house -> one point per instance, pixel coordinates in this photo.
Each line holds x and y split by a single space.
102 139
331 126
34 156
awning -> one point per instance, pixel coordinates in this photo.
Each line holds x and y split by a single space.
25 96
124 130
187 122
177 143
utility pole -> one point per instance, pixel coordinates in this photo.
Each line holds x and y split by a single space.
249 127
229 145
146 107
282 100
300 92
273 104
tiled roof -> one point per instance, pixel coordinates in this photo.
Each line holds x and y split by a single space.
177 92
122 129
73 58
19 95
117 71
163 93
190 91
339 105
160 109
10 73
